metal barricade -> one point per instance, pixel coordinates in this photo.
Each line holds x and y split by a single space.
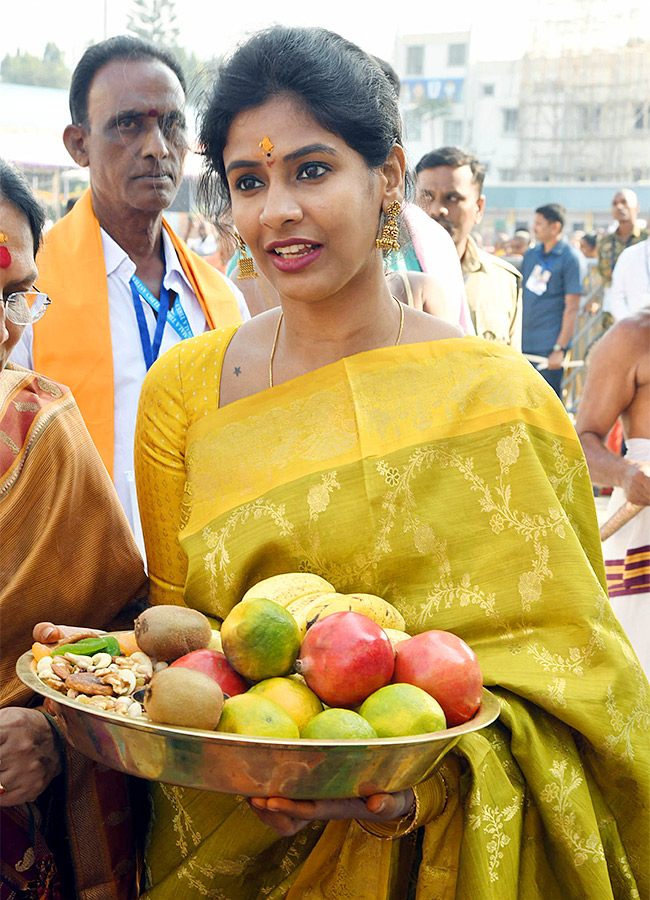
591 324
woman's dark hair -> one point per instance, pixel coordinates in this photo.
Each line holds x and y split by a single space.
336 82
123 46
15 190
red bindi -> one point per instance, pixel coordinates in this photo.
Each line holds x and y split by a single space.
153 113
5 258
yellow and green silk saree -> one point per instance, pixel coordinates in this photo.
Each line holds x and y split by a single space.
447 478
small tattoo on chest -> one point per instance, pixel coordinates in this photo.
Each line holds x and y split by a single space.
237 371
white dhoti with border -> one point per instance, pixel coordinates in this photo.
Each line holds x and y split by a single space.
627 563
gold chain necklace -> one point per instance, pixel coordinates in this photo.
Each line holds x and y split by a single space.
277 334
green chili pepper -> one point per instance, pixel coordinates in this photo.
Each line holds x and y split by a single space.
112 645
85 647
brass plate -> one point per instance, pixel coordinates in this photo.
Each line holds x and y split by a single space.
254 767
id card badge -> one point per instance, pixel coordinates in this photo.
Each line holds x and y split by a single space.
538 280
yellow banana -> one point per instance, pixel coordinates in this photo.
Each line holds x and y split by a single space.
379 610
395 636
301 606
283 589
215 640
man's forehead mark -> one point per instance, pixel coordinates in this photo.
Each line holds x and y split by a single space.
5 258
153 113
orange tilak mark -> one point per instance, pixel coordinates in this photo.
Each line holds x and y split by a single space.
266 146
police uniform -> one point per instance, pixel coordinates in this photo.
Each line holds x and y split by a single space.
493 290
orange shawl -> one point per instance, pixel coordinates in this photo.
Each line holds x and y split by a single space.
72 343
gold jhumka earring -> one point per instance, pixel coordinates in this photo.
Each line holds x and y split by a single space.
245 263
390 232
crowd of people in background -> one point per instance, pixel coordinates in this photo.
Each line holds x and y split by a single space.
326 341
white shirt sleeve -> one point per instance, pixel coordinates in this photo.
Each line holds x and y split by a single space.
618 293
23 354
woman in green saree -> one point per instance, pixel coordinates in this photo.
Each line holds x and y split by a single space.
370 443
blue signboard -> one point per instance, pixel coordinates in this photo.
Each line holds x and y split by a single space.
415 90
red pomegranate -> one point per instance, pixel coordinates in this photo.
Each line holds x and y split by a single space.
345 657
444 666
214 664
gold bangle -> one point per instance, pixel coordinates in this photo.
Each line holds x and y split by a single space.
394 828
429 800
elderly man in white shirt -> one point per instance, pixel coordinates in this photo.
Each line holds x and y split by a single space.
630 290
124 287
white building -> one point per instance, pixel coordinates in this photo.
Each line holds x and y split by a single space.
555 114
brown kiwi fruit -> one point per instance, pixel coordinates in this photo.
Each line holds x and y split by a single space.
184 697
169 632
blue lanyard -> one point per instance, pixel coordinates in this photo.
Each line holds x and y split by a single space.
546 264
176 317
150 350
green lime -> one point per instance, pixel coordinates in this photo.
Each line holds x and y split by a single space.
294 697
257 716
338 724
398 710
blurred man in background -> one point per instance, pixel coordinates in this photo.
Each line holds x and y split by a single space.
625 211
449 184
553 272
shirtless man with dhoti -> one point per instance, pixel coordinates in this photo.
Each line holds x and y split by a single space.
618 384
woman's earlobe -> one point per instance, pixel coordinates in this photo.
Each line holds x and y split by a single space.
394 170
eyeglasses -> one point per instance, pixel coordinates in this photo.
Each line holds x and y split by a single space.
26 307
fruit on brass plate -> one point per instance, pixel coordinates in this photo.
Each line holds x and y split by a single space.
214 664
398 710
293 696
289 586
344 658
395 636
300 607
338 724
215 640
260 639
443 665
257 716
376 608
185 698
167 632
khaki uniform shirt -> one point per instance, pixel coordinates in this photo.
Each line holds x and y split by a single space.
611 247
493 290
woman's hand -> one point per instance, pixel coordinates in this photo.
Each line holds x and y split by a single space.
48 633
288 817
29 755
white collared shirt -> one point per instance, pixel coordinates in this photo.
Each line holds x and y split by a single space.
630 290
129 367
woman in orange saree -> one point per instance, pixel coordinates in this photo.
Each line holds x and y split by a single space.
67 554
371 444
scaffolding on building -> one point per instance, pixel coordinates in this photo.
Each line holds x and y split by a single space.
584 111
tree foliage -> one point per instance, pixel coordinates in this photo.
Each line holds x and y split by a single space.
25 68
154 21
